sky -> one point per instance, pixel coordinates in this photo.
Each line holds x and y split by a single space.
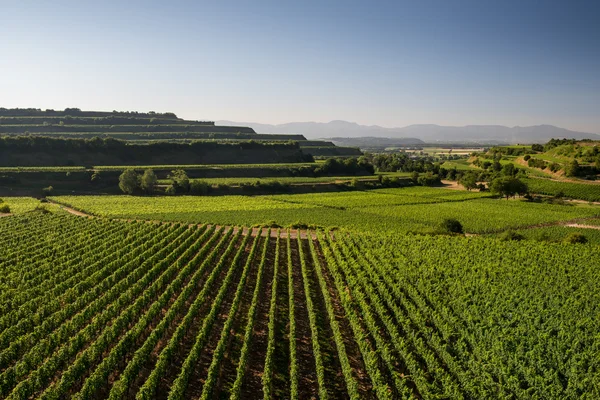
388 63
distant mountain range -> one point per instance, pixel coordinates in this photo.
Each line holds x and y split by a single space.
483 134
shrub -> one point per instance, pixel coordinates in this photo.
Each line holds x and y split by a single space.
4 208
199 187
575 238
511 235
41 209
451 225
47 191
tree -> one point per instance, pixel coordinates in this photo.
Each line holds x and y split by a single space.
148 181
181 182
572 169
128 181
199 187
508 170
468 180
508 187
496 166
415 177
428 179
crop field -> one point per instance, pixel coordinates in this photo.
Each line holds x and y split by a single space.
416 209
19 205
560 233
284 180
583 191
97 308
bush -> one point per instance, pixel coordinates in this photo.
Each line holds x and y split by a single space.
451 225
41 209
4 208
575 238
511 235
170 190
199 187
47 191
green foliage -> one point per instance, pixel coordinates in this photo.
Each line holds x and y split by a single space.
572 169
4 208
575 238
199 187
428 179
47 191
511 235
508 187
583 191
468 180
117 309
180 181
451 225
129 181
148 181
414 209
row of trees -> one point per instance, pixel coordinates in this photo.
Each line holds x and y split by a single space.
130 182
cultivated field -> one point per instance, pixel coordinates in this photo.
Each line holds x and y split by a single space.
93 308
412 209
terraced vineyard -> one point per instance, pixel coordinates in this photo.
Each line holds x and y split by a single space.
94 308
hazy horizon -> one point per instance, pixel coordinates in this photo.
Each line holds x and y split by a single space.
391 64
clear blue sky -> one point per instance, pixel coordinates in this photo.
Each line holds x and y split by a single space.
387 63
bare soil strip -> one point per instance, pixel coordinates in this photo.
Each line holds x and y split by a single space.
365 386
228 367
281 356
187 343
252 384
308 386
334 377
198 377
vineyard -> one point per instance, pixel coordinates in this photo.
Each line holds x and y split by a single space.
584 191
96 308
411 209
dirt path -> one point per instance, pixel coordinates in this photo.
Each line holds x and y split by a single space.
71 210
454 185
582 226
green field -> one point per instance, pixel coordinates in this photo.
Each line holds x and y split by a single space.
414 209
284 180
20 205
559 233
98 308
583 191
